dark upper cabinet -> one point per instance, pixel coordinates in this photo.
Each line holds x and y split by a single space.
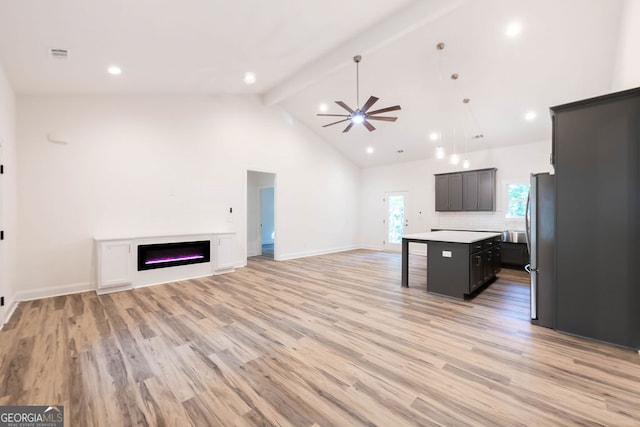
470 191
449 192
455 191
442 192
466 191
486 190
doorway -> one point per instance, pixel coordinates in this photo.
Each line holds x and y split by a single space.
396 220
267 221
261 214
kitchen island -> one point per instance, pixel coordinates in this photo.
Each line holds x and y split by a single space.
458 262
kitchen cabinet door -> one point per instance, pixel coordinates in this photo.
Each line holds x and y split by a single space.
487 261
224 252
442 193
486 185
497 259
470 191
455 192
449 192
477 271
115 261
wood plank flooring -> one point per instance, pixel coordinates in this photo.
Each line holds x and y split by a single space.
328 340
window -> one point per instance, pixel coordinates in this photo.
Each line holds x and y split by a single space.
517 200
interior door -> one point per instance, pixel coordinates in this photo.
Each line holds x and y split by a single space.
396 220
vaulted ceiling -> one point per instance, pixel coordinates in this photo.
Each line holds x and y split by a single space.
301 54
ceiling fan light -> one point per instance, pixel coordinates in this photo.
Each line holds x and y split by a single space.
440 152
357 118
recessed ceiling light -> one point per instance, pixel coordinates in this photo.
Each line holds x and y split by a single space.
114 70
433 136
323 108
513 29
369 150
530 116
249 78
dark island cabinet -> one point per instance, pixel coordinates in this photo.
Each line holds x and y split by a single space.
466 191
462 268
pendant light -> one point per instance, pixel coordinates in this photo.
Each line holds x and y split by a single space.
440 151
455 158
465 163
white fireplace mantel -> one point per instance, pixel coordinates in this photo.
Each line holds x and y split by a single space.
116 260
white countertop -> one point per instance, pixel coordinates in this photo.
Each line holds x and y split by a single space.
159 236
452 236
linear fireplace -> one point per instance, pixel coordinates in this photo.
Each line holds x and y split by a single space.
163 255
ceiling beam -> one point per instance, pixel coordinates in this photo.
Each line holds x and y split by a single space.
418 14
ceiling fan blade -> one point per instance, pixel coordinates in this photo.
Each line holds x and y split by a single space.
334 115
348 127
335 123
384 119
368 126
372 100
385 110
345 106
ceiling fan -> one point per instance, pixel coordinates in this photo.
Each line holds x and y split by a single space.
361 115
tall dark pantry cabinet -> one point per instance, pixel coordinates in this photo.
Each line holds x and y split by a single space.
596 154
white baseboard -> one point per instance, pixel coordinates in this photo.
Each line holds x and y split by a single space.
55 291
306 254
11 306
371 247
413 249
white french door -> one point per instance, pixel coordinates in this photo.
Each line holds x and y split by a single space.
396 219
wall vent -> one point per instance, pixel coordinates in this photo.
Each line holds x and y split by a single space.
58 53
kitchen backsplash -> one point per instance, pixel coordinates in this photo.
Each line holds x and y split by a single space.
490 221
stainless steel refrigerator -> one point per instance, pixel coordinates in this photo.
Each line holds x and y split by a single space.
540 227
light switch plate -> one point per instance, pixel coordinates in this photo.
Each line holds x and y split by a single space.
446 254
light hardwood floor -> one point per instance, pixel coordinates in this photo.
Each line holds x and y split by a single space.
328 340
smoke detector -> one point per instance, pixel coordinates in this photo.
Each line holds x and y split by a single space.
58 53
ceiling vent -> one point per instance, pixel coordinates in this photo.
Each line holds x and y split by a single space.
57 53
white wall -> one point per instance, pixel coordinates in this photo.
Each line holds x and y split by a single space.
627 65
514 164
8 192
255 180
149 165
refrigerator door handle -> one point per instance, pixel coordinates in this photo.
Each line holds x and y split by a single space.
527 226
534 294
